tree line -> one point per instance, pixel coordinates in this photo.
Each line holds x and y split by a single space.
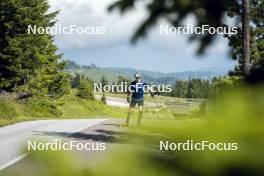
192 88
201 88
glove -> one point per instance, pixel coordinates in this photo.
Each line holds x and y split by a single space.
128 99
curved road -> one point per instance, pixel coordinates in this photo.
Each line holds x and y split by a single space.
13 137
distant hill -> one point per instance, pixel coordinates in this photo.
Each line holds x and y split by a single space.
160 77
92 71
95 73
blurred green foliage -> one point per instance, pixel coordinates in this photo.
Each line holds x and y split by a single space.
235 117
175 12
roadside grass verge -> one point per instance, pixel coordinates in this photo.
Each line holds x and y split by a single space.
73 107
176 106
69 107
159 99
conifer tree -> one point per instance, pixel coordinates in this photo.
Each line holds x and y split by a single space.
84 89
28 59
76 81
104 82
256 19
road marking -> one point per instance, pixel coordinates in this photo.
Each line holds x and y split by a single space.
13 161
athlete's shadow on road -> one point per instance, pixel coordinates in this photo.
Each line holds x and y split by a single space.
105 135
80 136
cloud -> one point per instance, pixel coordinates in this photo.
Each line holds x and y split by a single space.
169 53
94 13
119 29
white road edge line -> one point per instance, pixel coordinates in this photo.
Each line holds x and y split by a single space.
13 161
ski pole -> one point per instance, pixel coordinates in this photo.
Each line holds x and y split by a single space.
154 100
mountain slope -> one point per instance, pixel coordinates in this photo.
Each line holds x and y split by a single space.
112 74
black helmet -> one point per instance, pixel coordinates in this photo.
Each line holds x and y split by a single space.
137 75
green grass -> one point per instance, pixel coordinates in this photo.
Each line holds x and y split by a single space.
177 106
69 106
237 117
96 74
13 112
148 98
160 99
74 107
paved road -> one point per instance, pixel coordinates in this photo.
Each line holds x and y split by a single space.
107 131
13 137
121 102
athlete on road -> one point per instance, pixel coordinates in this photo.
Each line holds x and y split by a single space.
137 90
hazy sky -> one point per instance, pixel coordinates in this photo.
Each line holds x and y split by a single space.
157 53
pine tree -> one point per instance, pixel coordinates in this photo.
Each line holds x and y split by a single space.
246 37
256 38
29 60
85 90
75 82
104 81
180 89
123 80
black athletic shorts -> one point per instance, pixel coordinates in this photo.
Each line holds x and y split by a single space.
133 103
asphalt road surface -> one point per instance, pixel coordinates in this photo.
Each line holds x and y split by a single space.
106 131
13 137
